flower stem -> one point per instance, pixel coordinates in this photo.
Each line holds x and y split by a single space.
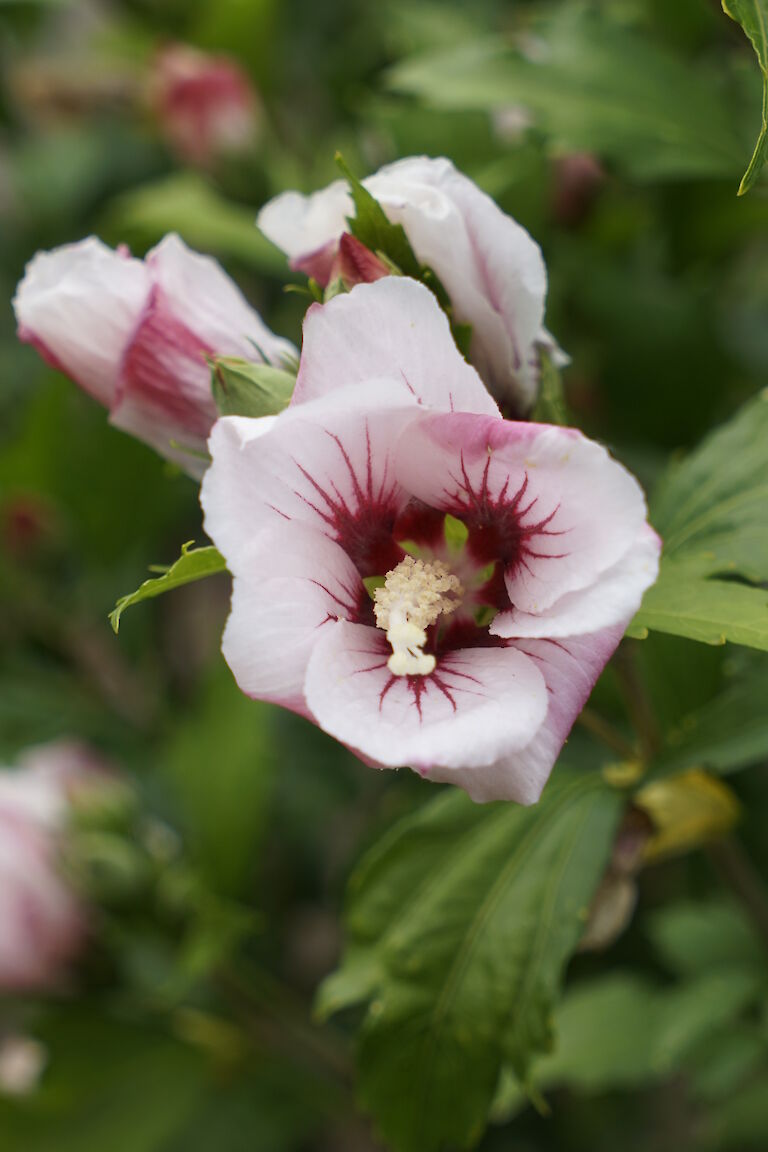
735 869
281 1020
638 703
604 731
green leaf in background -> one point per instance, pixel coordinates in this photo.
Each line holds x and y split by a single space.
242 388
459 925
371 226
693 938
713 505
221 796
117 1084
110 1084
186 204
625 1031
729 732
712 513
753 17
193 564
594 84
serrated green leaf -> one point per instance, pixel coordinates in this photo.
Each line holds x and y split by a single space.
372 227
596 85
461 921
625 1031
712 512
752 15
686 603
713 505
193 564
242 388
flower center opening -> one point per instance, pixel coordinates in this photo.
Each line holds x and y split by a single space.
415 594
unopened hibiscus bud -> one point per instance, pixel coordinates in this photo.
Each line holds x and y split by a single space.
137 335
42 922
26 523
577 180
433 585
356 264
491 269
241 388
614 902
206 105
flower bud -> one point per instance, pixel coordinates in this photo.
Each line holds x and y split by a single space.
42 922
206 105
137 335
491 270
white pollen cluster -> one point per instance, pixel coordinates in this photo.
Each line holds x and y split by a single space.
414 595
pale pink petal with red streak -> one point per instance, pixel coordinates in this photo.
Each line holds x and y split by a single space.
479 702
292 586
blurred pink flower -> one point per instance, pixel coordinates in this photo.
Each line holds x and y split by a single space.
206 105
42 924
135 334
488 264
431 584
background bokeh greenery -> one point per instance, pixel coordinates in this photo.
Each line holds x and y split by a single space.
617 133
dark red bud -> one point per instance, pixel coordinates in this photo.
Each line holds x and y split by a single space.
356 264
577 181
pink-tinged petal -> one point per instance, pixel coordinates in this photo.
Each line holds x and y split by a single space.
294 584
553 506
318 465
164 392
491 268
302 226
615 595
78 305
478 703
570 669
204 298
319 265
489 265
193 311
41 922
391 329
510 286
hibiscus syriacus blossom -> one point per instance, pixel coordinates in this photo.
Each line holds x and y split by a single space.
135 335
205 104
490 267
42 924
431 584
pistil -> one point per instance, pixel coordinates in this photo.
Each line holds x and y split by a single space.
415 594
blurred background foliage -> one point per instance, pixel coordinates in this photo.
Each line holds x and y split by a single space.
617 133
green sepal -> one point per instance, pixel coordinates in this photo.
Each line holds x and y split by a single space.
193 564
242 388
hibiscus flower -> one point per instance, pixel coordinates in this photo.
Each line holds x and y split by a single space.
433 585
